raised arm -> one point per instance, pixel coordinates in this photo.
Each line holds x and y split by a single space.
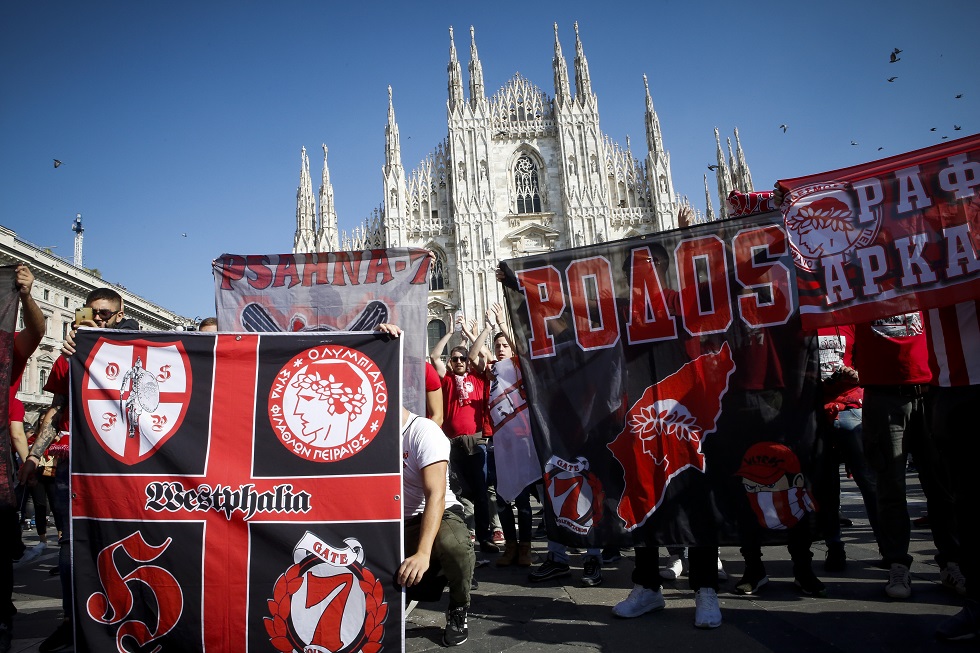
435 356
30 336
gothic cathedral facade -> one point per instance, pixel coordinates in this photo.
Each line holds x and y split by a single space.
519 173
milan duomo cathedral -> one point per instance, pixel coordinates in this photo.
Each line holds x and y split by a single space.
519 173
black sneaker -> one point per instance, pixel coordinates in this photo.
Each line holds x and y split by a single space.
6 637
963 625
610 555
456 629
808 582
592 571
752 580
836 560
487 546
62 637
549 569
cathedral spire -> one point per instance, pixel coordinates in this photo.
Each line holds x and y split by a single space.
744 176
655 141
562 92
393 153
732 164
722 175
710 215
326 237
477 95
455 75
305 209
583 85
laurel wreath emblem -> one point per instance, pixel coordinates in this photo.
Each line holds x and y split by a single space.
283 637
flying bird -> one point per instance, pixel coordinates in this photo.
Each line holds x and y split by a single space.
894 58
184 235
896 51
783 127
57 163
892 79
959 96
945 137
712 168
956 128
880 149
854 142
932 129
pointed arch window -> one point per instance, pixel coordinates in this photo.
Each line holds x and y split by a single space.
437 274
526 186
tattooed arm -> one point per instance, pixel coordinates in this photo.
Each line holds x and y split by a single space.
46 434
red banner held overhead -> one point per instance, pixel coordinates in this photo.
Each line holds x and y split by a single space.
887 237
330 291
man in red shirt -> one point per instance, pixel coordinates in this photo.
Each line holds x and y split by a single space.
464 400
11 546
107 313
892 361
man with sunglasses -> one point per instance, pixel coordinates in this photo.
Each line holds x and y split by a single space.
464 402
107 313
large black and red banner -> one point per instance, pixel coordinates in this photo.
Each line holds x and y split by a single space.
887 237
670 385
9 304
236 492
330 291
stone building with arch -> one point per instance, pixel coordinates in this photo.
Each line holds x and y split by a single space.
519 172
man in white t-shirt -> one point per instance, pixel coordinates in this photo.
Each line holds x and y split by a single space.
434 526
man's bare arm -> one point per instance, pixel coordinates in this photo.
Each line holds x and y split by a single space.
434 487
435 356
46 434
30 336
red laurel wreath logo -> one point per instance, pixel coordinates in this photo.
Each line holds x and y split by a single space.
327 635
328 403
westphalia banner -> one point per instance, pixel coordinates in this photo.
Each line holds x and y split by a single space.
670 386
236 492
887 237
331 291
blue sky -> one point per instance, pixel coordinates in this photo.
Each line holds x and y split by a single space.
188 117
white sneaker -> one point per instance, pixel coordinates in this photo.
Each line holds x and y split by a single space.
707 614
899 582
722 574
640 601
952 578
674 568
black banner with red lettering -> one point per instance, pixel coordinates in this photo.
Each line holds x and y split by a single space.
236 492
671 389
887 237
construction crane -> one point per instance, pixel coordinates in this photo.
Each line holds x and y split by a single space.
76 226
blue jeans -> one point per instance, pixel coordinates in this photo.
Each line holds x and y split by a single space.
845 438
468 460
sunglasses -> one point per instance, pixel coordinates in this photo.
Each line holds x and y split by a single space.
104 313
456 359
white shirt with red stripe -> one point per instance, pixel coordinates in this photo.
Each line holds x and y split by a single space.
953 333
